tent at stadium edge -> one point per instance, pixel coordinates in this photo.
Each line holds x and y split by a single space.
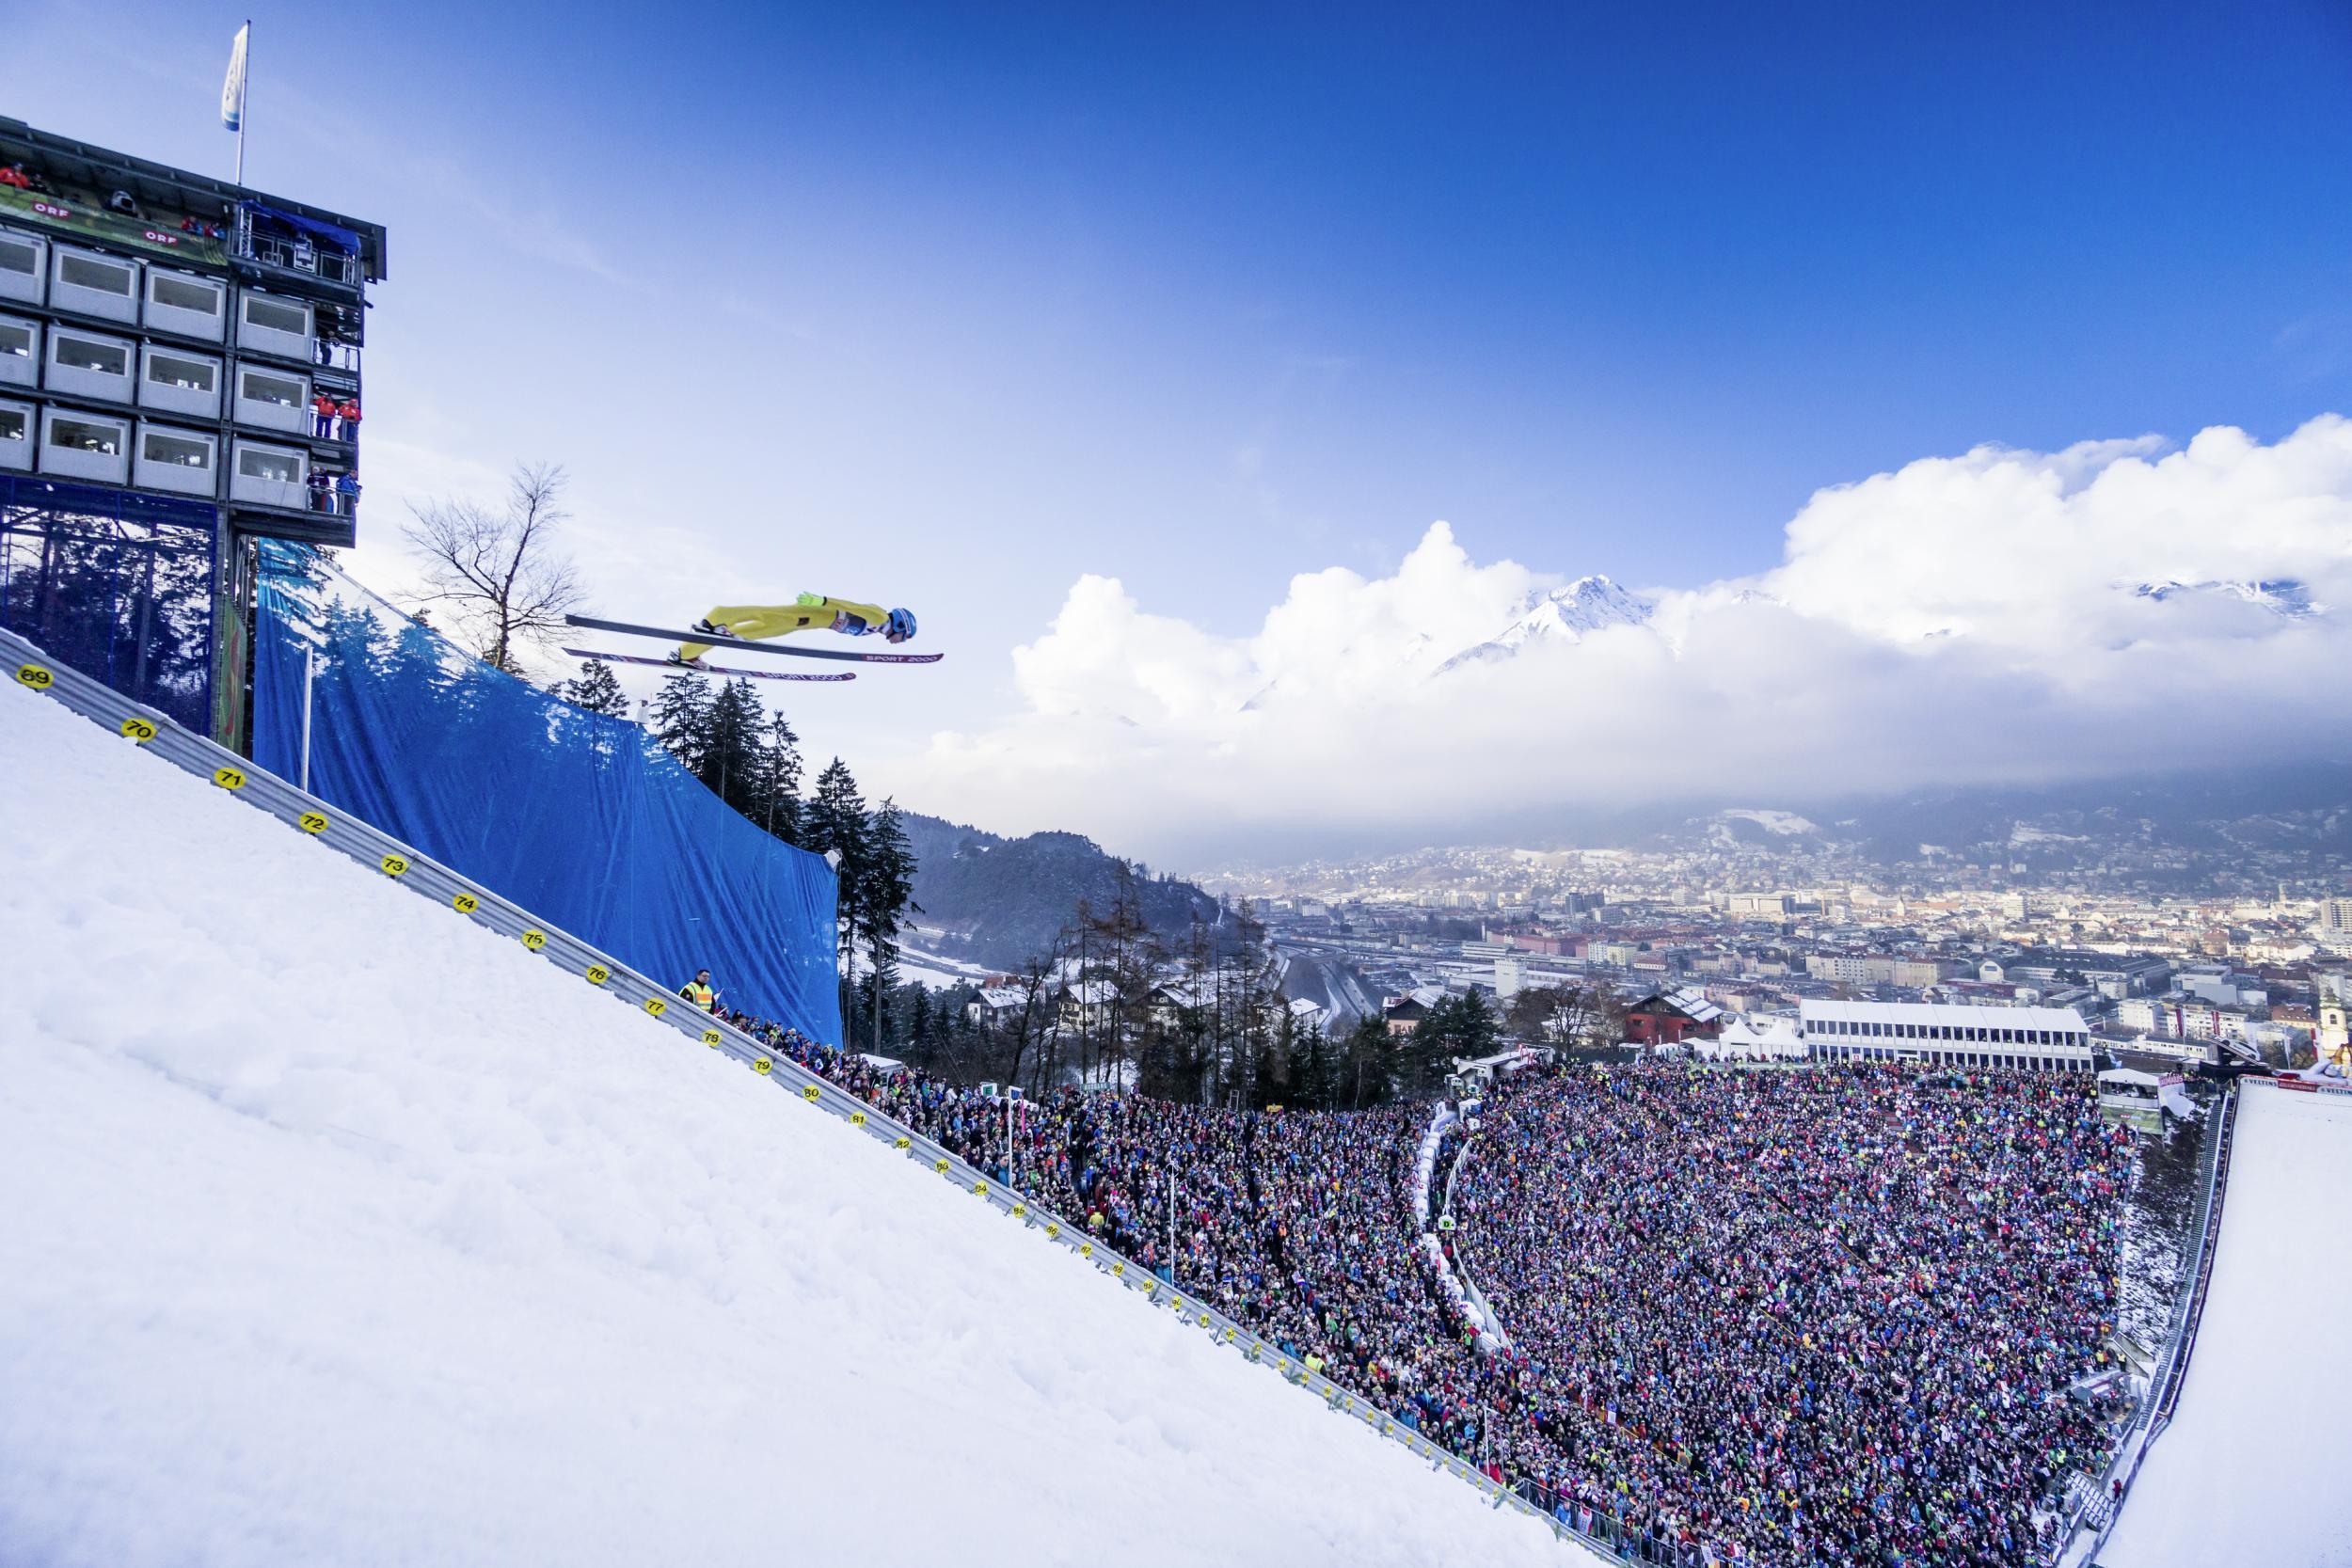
584 819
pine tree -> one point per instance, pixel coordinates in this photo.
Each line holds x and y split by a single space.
835 823
681 719
882 894
1276 1079
922 1048
597 690
1455 1026
1313 1070
730 760
1363 1077
780 780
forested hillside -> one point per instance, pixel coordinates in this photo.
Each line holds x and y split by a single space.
1002 899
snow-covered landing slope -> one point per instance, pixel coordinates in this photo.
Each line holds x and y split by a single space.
2247 1472
334 1229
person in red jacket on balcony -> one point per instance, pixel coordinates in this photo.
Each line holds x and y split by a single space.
348 411
323 415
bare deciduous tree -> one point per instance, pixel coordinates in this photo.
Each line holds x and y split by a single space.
498 570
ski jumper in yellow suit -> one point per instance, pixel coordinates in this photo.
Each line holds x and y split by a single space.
809 612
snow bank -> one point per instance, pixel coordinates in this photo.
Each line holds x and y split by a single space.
339 1230
2245 1472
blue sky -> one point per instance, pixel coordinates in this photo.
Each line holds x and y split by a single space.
948 306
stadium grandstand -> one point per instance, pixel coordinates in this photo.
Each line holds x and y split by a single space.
2048 1039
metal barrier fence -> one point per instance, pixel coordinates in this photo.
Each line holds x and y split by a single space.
24 665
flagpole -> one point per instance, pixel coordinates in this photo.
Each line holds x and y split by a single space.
245 99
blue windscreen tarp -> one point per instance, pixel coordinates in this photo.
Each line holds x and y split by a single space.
585 820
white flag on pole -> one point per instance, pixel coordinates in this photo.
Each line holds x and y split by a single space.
232 88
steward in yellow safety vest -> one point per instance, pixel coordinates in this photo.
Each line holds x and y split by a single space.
698 991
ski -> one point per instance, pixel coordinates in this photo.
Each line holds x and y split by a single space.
671 634
704 669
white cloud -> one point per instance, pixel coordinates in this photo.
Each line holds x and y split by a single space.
1962 620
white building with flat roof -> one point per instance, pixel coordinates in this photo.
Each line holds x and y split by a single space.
2053 1038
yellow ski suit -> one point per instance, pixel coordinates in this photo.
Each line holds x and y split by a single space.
809 612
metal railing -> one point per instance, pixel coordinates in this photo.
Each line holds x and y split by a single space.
290 254
24 665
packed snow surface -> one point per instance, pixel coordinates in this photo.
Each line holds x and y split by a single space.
2245 1473
338 1230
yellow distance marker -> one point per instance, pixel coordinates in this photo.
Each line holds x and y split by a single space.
1052 1231
37 677
138 729
903 1142
597 975
465 903
229 778
1118 1271
1020 1210
393 866
940 1166
979 1189
1085 1249
764 1067
311 822
534 940
710 1037
857 1118
657 1007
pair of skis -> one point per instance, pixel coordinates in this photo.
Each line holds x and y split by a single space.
631 629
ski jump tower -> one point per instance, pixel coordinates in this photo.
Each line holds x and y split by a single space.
178 377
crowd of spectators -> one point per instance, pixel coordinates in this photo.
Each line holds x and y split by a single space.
1815 1319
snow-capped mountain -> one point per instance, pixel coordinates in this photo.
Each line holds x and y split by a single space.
1780 824
1736 826
2284 597
1560 615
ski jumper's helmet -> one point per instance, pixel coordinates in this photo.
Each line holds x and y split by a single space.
901 626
